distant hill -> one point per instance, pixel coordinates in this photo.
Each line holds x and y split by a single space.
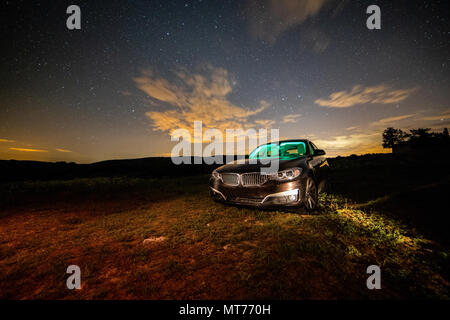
158 167
17 170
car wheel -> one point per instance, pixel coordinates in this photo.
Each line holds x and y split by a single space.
310 195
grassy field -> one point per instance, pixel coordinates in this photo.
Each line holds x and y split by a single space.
199 249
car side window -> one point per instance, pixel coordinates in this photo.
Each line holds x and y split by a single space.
311 148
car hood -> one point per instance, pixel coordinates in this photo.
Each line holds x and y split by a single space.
243 166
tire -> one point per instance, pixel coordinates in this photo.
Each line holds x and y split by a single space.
310 196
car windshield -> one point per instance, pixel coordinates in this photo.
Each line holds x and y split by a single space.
283 151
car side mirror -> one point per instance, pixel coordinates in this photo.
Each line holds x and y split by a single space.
319 152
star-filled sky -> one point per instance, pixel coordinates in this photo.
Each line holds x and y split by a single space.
137 70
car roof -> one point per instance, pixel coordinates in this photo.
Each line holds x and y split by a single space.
282 141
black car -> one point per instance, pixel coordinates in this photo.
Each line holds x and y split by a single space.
301 175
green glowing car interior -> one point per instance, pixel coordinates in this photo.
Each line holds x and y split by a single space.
283 151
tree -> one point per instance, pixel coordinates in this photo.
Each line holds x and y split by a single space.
392 137
445 134
423 138
421 133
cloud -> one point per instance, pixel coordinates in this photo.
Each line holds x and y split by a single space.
382 94
390 120
436 121
265 123
440 117
291 118
27 150
7 140
195 97
63 150
268 19
352 144
159 88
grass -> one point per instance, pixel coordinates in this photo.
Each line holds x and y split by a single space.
209 251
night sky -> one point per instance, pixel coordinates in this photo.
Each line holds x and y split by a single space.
139 69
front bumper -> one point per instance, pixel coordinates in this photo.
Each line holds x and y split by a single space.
270 194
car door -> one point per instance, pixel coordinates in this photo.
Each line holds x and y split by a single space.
318 162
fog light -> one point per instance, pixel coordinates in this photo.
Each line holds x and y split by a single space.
279 200
282 197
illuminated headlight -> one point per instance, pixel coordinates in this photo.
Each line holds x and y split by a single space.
216 175
286 175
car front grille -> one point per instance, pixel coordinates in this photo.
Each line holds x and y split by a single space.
231 179
246 179
254 179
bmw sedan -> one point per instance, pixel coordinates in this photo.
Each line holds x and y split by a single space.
301 175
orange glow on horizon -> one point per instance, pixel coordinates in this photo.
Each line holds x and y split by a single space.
27 150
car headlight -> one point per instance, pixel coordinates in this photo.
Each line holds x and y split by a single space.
286 175
216 175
